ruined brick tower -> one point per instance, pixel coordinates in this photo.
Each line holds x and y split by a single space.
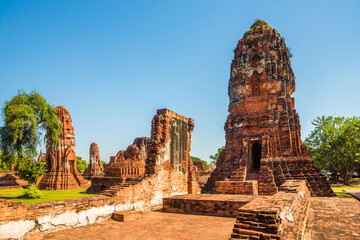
95 167
61 161
263 143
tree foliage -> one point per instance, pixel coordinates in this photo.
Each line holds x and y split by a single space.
216 156
81 164
30 170
196 159
28 119
335 144
3 164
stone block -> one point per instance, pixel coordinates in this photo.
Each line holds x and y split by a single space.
125 216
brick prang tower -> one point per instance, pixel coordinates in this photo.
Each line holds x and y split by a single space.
263 142
61 161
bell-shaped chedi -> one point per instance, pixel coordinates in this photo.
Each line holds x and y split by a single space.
61 161
263 142
95 168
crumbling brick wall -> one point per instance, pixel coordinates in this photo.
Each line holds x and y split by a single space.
164 158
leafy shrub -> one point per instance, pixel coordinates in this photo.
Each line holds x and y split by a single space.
31 192
30 170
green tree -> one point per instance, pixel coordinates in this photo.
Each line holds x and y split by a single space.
103 162
3 165
30 170
196 159
216 156
81 164
28 119
335 144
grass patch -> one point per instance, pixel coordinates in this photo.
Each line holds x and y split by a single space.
46 195
344 195
340 189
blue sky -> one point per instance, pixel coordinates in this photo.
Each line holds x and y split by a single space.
113 63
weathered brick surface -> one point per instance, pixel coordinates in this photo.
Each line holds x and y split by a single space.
263 139
95 167
129 163
207 204
165 156
281 216
61 159
8 180
237 187
202 177
125 216
199 166
333 219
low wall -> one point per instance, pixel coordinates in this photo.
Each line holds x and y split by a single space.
18 219
281 216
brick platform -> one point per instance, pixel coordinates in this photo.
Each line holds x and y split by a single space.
333 218
152 226
207 204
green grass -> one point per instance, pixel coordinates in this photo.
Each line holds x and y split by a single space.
344 195
340 189
46 195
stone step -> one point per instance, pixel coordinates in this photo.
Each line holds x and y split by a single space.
250 234
257 226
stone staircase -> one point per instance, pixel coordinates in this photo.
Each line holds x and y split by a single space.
281 216
113 191
257 226
253 175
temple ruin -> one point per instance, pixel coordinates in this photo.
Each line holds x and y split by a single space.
95 167
263 142
157 165
60 159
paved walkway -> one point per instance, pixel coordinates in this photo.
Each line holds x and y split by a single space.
333 218
152 226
